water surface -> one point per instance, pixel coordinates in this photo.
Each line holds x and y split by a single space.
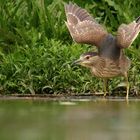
61 120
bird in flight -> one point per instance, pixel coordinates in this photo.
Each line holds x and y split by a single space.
109 61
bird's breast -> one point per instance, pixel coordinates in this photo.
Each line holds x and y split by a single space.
106 73
106 69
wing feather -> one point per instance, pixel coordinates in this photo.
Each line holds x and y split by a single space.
126 34
82 26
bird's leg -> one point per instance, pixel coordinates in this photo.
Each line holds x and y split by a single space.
105 85
127 85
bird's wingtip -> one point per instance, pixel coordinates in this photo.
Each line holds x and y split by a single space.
65 22
69 3
138 19
65 3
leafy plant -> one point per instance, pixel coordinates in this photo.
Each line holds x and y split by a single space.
36 50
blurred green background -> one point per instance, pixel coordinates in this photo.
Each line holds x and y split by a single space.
37 51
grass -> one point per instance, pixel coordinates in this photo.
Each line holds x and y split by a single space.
36 50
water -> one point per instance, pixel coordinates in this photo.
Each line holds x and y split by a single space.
58 120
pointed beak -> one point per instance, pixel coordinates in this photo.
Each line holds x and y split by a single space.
77 61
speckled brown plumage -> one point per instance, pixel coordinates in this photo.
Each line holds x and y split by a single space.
110 60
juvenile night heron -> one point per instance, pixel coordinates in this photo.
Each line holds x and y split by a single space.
109 61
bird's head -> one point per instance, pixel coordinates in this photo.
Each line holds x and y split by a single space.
87 59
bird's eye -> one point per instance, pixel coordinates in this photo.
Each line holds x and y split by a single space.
87 57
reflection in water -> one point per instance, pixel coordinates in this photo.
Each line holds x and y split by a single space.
43 120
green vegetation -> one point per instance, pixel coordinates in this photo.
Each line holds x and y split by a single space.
36 50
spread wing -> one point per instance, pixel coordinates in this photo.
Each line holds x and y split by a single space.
126 34
82 27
